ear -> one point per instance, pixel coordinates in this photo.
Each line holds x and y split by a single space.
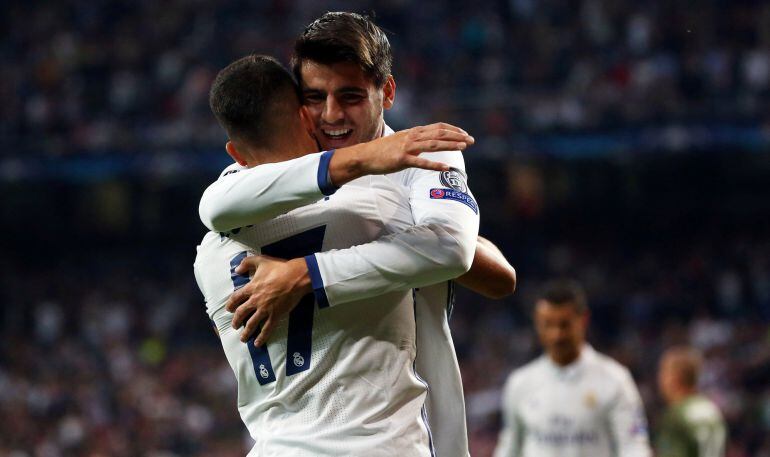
389 92
233 152
307 120
587 319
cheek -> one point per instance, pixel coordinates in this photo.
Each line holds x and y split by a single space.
315 113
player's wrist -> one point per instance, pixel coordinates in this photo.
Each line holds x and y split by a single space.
345 166
302 282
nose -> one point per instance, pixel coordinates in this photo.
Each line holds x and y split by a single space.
332 111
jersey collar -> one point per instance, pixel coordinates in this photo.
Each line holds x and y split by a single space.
574 369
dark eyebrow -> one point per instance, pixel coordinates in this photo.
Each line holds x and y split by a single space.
351 90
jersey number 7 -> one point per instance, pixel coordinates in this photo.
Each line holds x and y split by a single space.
298 343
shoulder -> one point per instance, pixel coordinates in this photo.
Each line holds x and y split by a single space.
526 375
233 168
610 368
700 409
215 250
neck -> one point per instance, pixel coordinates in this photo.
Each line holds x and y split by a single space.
292 148
680 394
567 359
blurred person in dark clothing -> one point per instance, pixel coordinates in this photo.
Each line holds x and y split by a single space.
692 426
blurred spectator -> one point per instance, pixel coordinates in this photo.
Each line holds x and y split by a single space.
692 425
110 76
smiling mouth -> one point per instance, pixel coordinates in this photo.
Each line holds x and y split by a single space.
337 134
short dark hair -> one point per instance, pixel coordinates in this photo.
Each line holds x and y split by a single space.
565 292
251 97
345 37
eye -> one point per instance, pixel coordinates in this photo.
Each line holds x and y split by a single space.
313 98
352 98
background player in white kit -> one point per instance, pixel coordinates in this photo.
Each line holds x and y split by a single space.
338 380
343 61
571 401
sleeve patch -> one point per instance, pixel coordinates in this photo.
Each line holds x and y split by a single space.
449 194
454 179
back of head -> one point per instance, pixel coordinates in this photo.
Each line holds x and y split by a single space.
345 37
565 292
254 99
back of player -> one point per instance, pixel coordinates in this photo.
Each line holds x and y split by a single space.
335 380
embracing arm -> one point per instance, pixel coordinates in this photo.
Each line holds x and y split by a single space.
438 247
247 196
253 195
490 275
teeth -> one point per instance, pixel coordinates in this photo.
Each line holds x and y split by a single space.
337 132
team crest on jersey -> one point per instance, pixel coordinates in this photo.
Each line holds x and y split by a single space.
590 400
455 179
263 371
298 359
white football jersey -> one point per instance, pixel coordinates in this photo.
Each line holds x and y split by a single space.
337 378
437 365
272 190
590 408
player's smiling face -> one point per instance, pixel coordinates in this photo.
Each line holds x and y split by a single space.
346 105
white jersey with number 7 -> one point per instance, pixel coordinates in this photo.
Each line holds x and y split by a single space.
337 375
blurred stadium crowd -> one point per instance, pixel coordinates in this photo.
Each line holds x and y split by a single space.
105 349
117 358
119 75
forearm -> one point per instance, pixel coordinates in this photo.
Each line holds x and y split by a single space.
265 191
260 193
421 255
490 275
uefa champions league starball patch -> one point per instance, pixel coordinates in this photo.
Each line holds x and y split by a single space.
450 194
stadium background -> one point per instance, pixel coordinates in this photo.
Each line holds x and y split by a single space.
623 143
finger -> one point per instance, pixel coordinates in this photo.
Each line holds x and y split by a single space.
436 145
419 162
236 298
249 263
243 312
442 134
445 126
445 135
252 325
264 334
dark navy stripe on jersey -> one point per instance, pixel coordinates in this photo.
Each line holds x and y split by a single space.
324 182
316 281
238 280
260 359
450 299
299 342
